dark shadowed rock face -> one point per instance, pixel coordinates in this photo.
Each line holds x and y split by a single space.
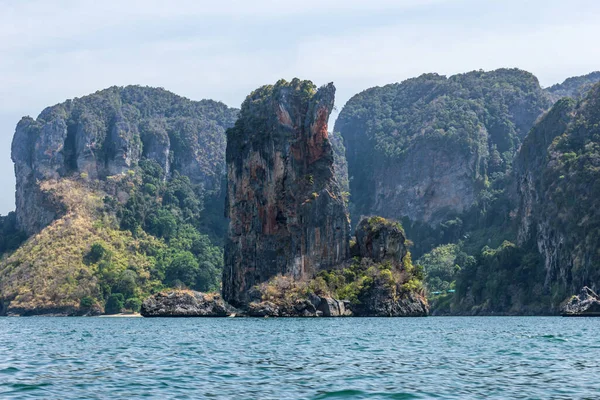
381 240
314 306
186 303
334 308
286 212
379 301
586 304
106 134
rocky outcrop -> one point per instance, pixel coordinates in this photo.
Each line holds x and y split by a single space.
379 301
334 308
586 304
313 306
381 240
380 281
426 147
106 134
186 303
286 212
6 309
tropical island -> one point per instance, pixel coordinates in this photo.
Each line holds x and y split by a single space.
465 195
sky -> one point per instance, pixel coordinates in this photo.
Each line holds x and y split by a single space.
53 50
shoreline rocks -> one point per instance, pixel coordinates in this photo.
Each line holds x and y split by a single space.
586 304
186 303
312 307
57 311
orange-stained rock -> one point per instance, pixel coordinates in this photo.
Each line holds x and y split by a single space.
286 212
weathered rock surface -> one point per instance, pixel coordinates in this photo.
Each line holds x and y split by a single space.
586 304
384 242
263 309
287 215
558 191
186 303
315 306
426 147
49 311
381 301
381 240
106 134
334 308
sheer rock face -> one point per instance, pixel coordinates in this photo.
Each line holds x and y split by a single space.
531 189
286 212
106 134
426 147
557 183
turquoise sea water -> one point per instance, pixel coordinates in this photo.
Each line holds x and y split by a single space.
453 358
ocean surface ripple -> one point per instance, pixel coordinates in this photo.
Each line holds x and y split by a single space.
244 358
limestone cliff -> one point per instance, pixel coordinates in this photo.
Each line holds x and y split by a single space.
558 186
106 134
426 147
287 215
119 193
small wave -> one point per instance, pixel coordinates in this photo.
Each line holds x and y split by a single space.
9 370
359 394
553 338
25 387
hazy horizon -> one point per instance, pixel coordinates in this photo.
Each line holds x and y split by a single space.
58 50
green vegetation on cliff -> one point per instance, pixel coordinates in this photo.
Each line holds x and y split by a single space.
120 193
575 87
171 210
79 259
560 163
541 244
496 229
380 280
86 259
426 147
454 110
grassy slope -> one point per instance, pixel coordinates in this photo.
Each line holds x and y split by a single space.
49 270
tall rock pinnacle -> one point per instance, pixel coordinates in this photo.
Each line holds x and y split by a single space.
287 215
